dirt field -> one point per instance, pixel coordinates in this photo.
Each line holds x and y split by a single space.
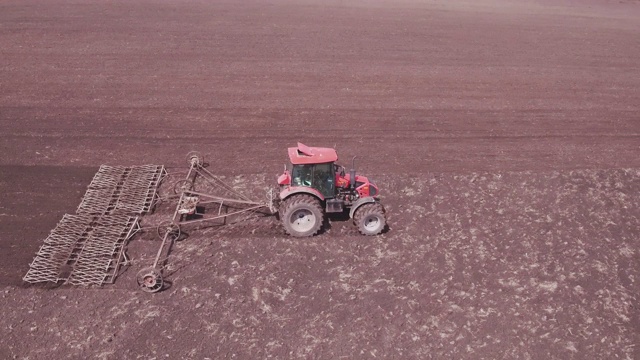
504 134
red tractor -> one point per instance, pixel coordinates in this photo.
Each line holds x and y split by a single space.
313 184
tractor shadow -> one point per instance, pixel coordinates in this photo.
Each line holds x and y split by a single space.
336 222
342 223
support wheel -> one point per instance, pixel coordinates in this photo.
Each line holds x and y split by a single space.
150 280
169 229
181 186
370 219
195 158
302 215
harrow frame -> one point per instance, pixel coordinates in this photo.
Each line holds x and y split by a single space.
150 279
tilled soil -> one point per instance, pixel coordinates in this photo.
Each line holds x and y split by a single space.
504 135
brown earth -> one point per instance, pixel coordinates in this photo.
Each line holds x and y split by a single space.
505 136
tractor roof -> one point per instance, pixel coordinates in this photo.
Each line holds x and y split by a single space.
304 154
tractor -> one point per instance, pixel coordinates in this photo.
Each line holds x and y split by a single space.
313 184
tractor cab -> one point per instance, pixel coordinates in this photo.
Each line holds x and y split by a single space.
311 167
315 169
316 176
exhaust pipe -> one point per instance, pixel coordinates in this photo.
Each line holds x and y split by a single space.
352 174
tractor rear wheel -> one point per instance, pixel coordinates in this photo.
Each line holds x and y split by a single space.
370 219
302 215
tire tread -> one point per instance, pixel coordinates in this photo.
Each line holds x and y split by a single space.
293 202
364 211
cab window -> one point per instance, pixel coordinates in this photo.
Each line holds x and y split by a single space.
301 175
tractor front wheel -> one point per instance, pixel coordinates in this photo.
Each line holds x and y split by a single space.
302 215
370 219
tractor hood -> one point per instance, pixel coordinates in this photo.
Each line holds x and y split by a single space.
359 179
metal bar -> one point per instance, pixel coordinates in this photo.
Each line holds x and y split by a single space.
209 202
175 215
166 235
221 216
164 241
191 168
132 231
176 212
218 198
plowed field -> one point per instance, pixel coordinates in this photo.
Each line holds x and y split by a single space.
504 135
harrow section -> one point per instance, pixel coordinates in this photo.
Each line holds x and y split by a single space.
119 189
89 248
83 250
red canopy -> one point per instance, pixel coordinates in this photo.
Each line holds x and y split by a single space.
304 154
